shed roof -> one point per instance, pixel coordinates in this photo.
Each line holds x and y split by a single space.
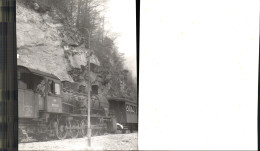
120 99
38 72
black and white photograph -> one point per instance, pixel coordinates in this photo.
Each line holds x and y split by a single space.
129 75
77 74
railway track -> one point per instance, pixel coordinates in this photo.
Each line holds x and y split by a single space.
45 138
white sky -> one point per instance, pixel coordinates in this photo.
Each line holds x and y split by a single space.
121 19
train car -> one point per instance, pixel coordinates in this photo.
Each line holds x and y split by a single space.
44 111
125 112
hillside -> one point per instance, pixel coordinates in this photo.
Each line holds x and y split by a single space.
47 41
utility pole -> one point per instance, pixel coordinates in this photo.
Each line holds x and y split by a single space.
89 87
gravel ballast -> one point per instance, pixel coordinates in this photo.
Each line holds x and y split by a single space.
105 142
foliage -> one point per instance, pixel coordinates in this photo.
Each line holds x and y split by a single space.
84 18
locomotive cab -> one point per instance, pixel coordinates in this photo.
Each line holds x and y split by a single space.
49 107
28 106
37 91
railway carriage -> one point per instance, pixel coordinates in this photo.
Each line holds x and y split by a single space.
125 112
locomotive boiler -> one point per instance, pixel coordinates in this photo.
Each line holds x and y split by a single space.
53 108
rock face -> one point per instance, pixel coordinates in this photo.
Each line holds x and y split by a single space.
47 42
43 42
39 43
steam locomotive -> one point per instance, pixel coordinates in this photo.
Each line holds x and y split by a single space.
50 107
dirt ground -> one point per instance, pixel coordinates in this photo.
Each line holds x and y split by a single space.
105 142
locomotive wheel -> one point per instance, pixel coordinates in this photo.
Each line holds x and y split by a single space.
102 132
21 135
51 129
123 131
84 128
61 130
95 132
74 128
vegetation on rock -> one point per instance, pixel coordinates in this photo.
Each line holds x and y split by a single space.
81 19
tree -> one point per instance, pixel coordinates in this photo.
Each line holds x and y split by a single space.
79 15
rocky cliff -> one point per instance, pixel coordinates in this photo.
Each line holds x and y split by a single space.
44 43
49 43
39 43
